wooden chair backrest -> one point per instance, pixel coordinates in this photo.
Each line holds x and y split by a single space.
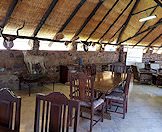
82 86
54 111
10 106
91 69
118 68
127 81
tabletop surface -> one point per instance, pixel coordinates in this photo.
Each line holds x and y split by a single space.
3 129
105 81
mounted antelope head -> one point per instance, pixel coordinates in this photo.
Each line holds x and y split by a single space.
8 39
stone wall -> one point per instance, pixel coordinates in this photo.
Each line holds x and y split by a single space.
13 61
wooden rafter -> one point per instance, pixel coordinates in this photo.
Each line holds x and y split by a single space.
145 36
149 28
154 40
72 15
159 2
116 32
45 16
9 13
127 20
51 40
89 17
146 21
116 20
108 12
145 10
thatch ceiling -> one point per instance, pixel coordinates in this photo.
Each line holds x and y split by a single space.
92 20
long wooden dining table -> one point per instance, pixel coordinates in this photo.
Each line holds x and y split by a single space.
107 81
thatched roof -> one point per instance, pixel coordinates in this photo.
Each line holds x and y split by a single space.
92 20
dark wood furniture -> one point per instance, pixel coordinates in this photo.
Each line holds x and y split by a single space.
53 113
9 110
63 74
106 81
4 129
82 89
144 76
157 79
118 67
120 99
34 78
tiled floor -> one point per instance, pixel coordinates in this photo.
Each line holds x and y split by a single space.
144 111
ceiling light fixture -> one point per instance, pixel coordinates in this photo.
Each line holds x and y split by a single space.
147 18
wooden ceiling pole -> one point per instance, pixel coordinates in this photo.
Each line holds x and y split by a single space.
9 13
149 28
146 21
108 12
116 19
72 15
144 10
154 40
159 2
45 16
145 36
127 20
89 17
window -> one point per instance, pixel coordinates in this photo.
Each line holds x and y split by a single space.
56 46
110 48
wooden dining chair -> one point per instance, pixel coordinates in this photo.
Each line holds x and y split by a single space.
10 106
119 98
82 89
54 113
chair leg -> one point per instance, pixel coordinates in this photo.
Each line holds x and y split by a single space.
102 112
126 105
91 122
124 109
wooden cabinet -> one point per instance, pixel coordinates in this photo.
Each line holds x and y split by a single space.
63 74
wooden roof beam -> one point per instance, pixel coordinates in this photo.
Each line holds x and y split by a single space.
9 13
72 15
89 17
146 21
45 16
144 10
127 20
154 40
116 20
149 28
144 36
159 2
108 12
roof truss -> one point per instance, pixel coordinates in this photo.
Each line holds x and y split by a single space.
102 19
9 13
146 21
72 15
127 20
115 20
149 28
154 40
45 16
89 17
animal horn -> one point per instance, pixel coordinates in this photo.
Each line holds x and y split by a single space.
1 30
20 28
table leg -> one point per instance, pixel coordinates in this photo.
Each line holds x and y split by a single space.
29 87
53 86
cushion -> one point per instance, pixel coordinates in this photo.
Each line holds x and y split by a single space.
115 96
96 103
